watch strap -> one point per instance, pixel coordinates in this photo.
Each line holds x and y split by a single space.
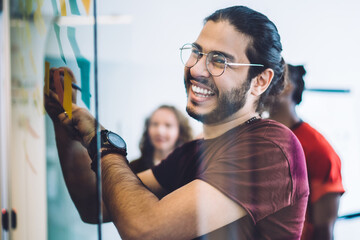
92 148
104 152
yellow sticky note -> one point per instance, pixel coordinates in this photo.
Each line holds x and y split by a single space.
21 33
21 6
47 78
22 64
29 6
39 21
28 32
59 89
86 6
63 7
32 60
67 102
37 99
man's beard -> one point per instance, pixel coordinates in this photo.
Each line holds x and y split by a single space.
228 103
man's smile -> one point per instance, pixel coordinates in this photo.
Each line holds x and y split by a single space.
200 92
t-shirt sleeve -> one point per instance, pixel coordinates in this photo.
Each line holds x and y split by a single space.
254 173
324 169
178 168
165 172
323 163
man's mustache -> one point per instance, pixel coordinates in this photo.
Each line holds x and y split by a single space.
204 81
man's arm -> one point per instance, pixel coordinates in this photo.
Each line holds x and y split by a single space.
74 158
323 216
192 210
75 164
80 180
148 179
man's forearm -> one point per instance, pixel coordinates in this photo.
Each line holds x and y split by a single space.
185 213
127 199
79 179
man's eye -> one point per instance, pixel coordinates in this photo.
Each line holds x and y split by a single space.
195 51
218 60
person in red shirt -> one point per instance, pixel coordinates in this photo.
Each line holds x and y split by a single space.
323 164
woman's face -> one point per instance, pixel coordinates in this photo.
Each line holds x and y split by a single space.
163 130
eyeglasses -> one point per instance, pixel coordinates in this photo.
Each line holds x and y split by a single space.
216 62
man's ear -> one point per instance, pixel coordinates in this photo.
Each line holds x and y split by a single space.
261 82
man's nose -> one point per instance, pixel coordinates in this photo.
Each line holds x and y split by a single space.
200 69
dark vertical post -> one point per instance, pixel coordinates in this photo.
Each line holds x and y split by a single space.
97 127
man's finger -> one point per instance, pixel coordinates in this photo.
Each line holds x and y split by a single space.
61 70
52 105
64 119
69 125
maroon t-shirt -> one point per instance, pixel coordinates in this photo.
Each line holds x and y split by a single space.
260 165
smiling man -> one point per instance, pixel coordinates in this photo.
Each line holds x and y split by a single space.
245 180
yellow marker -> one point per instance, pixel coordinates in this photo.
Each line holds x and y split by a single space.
63 7
67 102
47 80
86 6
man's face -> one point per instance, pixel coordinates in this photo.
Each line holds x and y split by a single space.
219 99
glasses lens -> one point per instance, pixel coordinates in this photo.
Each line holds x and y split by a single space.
189 55
216 63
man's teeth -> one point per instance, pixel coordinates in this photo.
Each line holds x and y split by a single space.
201 91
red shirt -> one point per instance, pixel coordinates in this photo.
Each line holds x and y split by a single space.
260 166
323 166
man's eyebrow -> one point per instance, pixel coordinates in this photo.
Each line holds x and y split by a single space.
227 55
198 46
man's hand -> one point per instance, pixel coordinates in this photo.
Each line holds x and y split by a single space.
52 103
81 126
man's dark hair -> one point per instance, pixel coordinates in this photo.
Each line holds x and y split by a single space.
295 74
264 47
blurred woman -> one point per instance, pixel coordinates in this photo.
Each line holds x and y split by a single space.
166 129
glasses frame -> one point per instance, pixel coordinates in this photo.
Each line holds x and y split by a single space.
207 61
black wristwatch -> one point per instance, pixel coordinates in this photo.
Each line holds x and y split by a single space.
109 140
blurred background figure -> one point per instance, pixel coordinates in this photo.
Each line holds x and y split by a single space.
165 129
323 164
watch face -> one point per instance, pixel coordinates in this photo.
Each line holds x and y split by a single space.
116 140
